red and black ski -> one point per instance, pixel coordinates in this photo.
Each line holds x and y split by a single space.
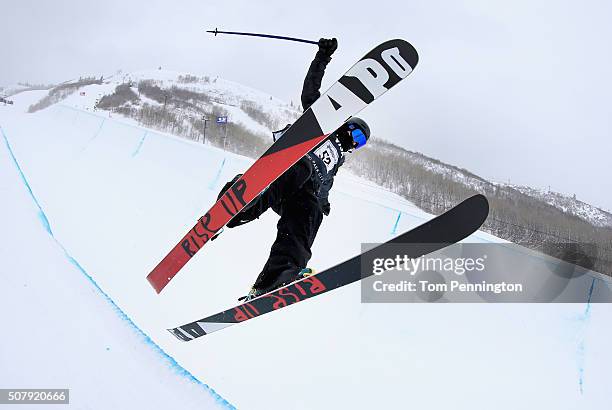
373 75
446 229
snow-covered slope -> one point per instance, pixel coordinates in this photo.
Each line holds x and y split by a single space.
117 196
9 90
227 92
568 204
231 96
447 171
228 95
62 330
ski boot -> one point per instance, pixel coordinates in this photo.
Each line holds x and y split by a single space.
306 272
257 292
284 279
253 293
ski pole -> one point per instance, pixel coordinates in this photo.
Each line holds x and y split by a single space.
300 40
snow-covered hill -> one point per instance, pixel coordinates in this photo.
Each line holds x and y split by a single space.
450 172
115 196
568 204
9 90
565 203
231 97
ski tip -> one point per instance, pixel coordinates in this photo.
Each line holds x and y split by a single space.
407 50
482 203
481 198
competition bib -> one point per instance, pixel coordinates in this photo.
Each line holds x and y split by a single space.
328 154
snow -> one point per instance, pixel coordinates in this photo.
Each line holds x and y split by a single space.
9 90
590 213
565 203
117 196
224 93
65 332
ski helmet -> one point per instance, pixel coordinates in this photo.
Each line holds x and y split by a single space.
359 131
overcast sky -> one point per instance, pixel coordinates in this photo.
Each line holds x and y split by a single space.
514 91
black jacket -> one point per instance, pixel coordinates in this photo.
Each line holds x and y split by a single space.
328 157
312 83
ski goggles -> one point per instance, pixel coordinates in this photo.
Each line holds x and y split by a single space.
358 136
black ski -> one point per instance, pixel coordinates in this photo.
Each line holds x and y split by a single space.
452 226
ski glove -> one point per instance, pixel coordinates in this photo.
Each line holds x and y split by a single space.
228 185
327 46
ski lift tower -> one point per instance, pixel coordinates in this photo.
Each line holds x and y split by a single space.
205 120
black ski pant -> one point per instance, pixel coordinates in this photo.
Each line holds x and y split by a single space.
293 197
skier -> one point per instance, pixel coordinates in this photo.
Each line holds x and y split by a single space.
301 195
